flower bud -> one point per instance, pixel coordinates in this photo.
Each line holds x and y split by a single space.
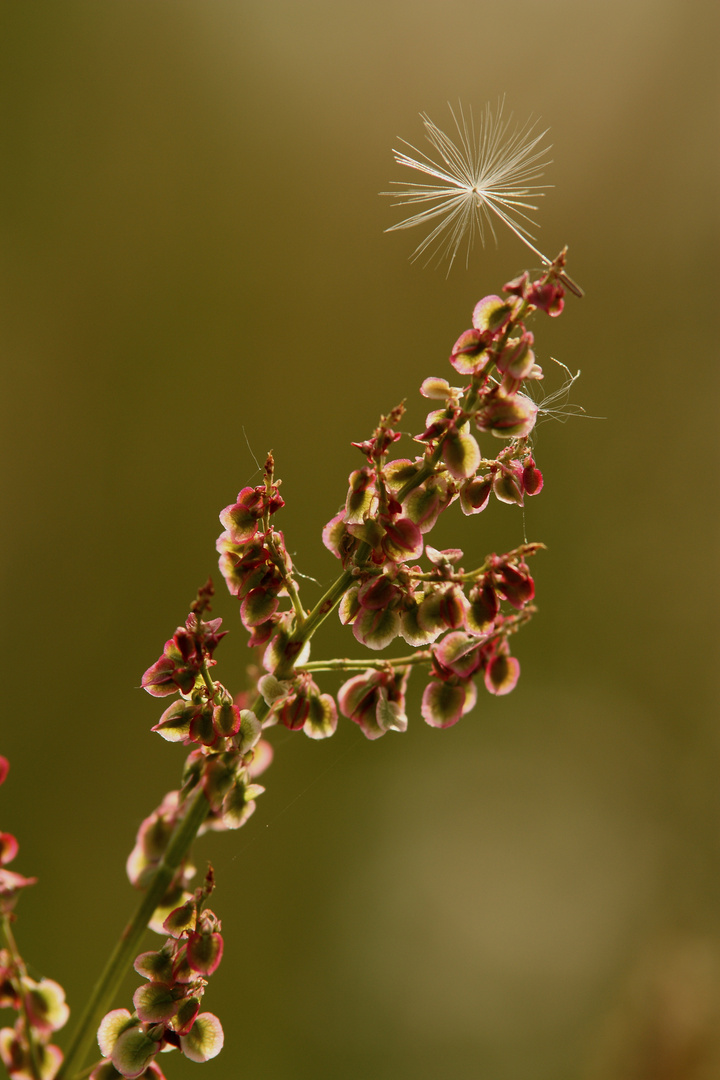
548 296
532 478
515 585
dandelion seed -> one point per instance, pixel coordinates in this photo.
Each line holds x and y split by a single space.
557 405
486 173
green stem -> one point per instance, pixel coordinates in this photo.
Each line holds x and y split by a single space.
424 472
346 664
127 945
207 679
287 577
327 603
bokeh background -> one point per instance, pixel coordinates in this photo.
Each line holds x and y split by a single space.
194 272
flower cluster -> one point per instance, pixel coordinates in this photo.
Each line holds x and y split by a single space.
253 557
226 754
167 1006
228 750
298 704
392 505
393 584
187 654
25 1049
459 619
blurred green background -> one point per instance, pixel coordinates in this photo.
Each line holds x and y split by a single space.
194 271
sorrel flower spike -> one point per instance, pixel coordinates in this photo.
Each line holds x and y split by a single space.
486 172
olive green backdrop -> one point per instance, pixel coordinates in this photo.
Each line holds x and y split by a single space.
194 271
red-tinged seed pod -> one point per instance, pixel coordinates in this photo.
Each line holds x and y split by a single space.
470 353
475 494
294 712
532 478
506 487
492 313
402 540
484 608
507 416
452 607
516 586
226 719
502 674
378 592
204 952
461 455
443 703
8 848
258 606
518 285
201 726
548 296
